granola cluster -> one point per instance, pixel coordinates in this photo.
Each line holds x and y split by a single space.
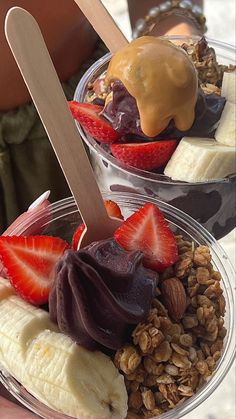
210 73
169 360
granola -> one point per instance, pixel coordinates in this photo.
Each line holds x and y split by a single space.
168 360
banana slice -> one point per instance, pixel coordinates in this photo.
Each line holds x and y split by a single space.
65 376
19 324
229 87
75 381
226 131
200 160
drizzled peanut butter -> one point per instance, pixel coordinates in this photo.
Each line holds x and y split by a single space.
162 79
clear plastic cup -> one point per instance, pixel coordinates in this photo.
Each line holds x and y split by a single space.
64 218
211 203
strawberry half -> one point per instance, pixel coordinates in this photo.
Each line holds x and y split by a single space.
30 262
113 210
148 231
87 115
145 156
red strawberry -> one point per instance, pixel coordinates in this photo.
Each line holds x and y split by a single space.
148 231
76 236
87 115
30 263
145 156
113 210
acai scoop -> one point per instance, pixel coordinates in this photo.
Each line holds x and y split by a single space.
99 292
123 113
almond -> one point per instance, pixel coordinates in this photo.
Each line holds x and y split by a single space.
174 297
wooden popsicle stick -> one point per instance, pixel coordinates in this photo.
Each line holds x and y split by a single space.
33 59
103 23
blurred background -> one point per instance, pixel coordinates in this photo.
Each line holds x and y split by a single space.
220 15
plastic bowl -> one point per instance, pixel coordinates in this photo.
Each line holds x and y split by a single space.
64 218
211 203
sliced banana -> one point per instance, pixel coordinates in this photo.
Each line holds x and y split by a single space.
65 376
200 160
229 87
226 131
19 324
78 382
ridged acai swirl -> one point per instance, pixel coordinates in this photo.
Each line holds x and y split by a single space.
99 292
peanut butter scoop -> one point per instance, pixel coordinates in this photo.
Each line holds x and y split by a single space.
162 79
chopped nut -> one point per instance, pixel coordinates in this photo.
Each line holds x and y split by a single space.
148 400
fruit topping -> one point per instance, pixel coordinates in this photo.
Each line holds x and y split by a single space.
148 231
99 292
30 264
200 160
145 156
113 210
88 115
229 87
226 131
65 376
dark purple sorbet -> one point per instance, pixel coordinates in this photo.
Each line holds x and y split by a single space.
123 113
99 293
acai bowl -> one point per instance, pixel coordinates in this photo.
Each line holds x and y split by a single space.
61 219
211 202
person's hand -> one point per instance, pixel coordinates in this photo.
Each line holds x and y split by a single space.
10 410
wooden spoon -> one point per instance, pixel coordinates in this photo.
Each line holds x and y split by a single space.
103 23
31 54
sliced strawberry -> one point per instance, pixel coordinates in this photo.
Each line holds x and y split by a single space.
87 115
113 210
148 231
145 156
30 262
76 236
